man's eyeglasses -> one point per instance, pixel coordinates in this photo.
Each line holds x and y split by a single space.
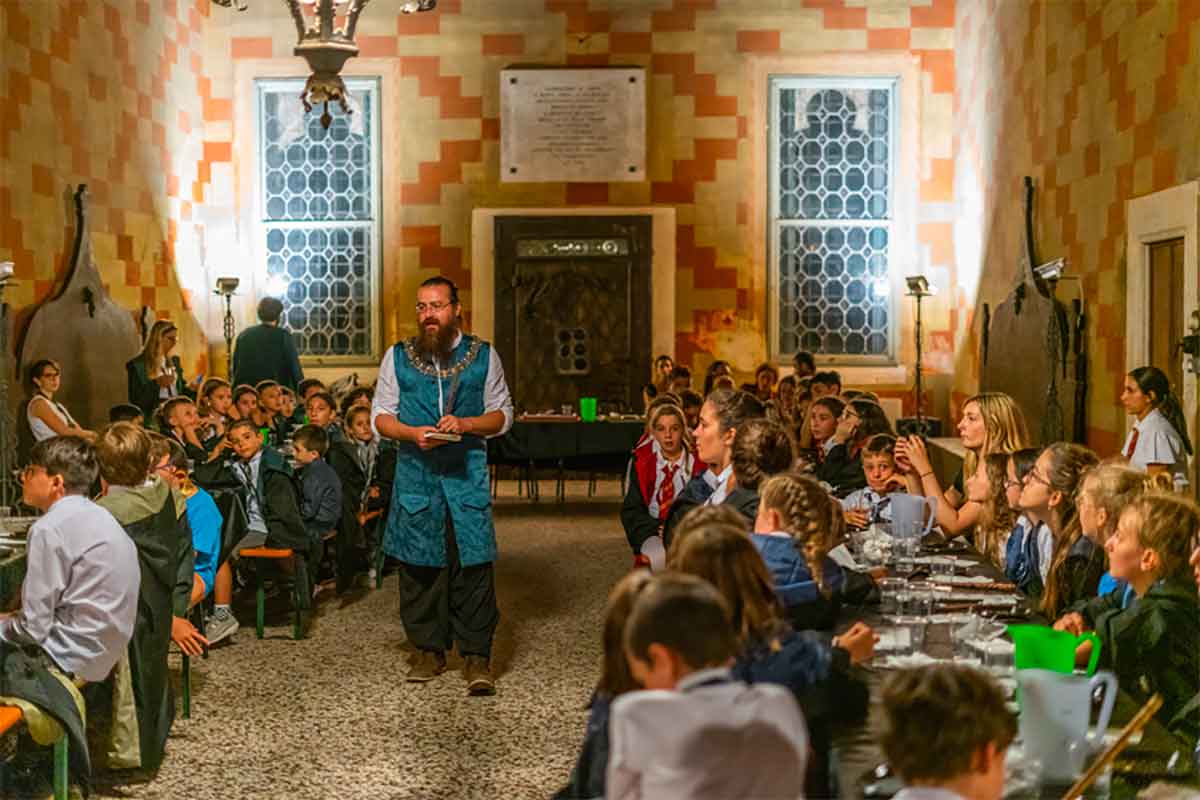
30 471
434 307
1012 483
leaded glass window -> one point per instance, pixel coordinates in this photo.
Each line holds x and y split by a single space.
832 146
320 213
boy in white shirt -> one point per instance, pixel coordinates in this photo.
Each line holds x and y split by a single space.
697 733
80 594
946 731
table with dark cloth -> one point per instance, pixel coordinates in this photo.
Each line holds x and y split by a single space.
856 751
595 447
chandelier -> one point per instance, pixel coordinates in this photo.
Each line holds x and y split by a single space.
325 31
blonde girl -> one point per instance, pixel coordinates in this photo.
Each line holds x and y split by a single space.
991 423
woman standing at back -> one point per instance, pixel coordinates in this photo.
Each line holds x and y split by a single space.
155 375
1158 441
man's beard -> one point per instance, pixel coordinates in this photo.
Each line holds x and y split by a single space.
438 342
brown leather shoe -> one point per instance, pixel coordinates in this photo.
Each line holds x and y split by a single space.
478 673
426 666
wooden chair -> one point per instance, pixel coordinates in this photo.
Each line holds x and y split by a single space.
260 597
10 717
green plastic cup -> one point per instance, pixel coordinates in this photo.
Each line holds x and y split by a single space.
587 409
1041 647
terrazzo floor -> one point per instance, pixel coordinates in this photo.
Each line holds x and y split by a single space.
331 716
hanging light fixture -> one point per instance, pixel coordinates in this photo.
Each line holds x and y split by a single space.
326 41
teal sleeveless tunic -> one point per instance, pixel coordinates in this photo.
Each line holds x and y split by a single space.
448 483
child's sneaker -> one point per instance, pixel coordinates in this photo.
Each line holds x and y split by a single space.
221 625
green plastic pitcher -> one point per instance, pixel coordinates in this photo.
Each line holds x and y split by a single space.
1042 647
587 409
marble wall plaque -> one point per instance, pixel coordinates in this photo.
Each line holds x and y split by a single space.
577 125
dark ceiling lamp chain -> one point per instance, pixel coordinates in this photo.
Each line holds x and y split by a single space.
326 41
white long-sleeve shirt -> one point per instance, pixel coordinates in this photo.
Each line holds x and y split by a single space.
496 396
79 599
713 738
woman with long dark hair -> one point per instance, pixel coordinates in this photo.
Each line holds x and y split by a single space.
842 467
1158 441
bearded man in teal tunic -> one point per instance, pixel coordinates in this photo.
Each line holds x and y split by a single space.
439 396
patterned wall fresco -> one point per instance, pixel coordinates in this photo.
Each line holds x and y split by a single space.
697 52
1096 101
109 94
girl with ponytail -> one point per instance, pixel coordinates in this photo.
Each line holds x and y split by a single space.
1158 441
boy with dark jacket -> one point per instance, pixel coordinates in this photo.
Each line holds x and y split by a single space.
273 508
366 468
320 487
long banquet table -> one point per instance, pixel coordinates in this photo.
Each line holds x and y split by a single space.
856 752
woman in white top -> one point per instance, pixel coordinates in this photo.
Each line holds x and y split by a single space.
47 418
1158 441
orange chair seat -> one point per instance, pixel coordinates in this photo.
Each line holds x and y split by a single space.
267 552
9 716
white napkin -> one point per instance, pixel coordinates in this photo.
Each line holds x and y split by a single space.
844 559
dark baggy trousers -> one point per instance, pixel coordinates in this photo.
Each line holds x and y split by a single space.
440 606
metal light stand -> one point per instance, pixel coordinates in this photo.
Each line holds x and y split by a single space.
918 288
226 287
229 332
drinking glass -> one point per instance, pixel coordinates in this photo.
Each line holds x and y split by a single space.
998 658
941 566
963 630
919 600
916 632
889 591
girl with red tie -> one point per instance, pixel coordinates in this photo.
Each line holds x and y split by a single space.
662 466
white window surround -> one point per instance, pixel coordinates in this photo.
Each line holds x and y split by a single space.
1168 214
242 249
362 223
903 250
806 231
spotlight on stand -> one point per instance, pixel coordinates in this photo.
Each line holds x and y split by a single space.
919 288
226 287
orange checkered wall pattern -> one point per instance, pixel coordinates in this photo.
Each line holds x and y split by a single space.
698 54
107 94
1095 100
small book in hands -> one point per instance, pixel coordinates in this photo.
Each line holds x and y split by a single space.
443 437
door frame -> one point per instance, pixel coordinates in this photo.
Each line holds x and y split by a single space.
1168 214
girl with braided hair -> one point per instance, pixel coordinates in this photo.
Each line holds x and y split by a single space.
798 524
770 650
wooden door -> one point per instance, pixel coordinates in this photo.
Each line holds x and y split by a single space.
1166 304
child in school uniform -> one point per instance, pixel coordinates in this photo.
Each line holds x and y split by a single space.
946 730
798 524
842 467
1030 546
1153 644
587 778
366 467
871 503
272 499
696 732
662 468
320 487
815 668
179 420
322 412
